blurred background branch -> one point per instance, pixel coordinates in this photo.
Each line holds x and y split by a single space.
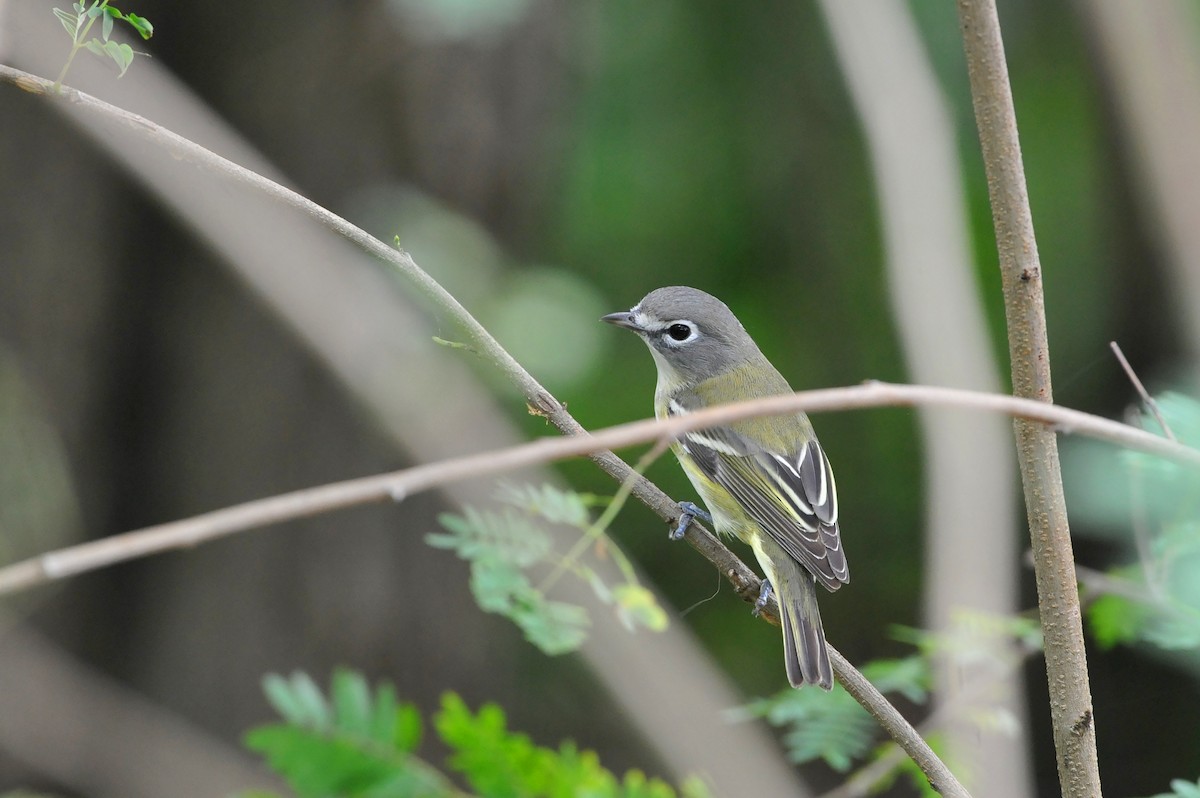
969 488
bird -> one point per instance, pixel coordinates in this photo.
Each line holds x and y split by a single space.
765 481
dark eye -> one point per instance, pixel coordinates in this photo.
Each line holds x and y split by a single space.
680 332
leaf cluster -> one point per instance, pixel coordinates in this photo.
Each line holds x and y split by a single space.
79 23
505 547
359 743
833 726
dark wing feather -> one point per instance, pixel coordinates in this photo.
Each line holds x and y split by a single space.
793 497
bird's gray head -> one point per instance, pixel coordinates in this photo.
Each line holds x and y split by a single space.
691 333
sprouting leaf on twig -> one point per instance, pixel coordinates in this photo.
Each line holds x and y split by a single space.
79 23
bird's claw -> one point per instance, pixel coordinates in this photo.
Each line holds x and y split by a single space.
764 597
689 512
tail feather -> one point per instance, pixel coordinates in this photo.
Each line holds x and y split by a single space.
804 650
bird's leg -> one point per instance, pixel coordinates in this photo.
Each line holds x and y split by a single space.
689 511
764 597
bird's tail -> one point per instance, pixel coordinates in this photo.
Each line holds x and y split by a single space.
804 649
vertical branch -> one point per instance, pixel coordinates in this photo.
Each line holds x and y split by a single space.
1037 448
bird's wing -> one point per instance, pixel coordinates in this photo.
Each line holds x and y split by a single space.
792 496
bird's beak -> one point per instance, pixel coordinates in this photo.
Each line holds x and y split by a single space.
622 319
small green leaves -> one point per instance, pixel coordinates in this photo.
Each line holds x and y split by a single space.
69 21
507 537
498 762
298 701
141 25
505 547
553 626
1154 506
833 726
353 743
1115 619
909 677
829 726
121 54
362 744
79 24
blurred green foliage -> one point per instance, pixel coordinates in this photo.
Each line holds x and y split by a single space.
1150 507
359 742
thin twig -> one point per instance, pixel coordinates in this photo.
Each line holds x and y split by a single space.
1071 711
1147 399
940 777
397 485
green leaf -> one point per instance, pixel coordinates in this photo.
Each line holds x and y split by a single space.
107 25
636 606
121 54
315 765
553 626
298 700
908 676
829 726
498 585
694 787
555 505
1178 631
141 25
351 702
833 726
279 695
408 728
507 536
69 21
1115 619
1185 789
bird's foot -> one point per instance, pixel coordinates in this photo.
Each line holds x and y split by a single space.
689 512
764 597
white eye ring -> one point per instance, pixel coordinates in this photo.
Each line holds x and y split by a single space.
679 332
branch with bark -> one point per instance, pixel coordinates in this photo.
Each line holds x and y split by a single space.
1037 448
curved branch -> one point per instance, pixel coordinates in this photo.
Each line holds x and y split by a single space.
397 485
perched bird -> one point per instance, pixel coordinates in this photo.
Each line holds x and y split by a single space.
764 480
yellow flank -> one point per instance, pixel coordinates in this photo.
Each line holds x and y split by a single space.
728 516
